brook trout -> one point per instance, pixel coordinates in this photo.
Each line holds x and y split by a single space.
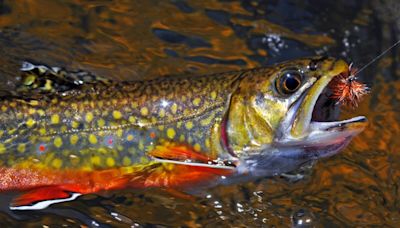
63 134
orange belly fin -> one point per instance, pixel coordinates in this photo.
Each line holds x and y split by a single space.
179 165
42 197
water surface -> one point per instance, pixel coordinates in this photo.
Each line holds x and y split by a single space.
129 40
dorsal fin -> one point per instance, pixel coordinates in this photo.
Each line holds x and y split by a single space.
40 79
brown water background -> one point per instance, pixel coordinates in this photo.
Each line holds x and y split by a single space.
125 39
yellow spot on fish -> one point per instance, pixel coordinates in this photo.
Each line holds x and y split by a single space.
31 111
196 101
55 119
141 146
42 131
189 125
144 111
110 161
64 128
95 160
73 139
89 117
20 115
129 137
21 147
58 142
4 108
117 115
54 101
182 138
132 119
2 148
126 161
30 122
161 113
40 112
92 139
213 95
48 86
120 132
56 163
75 124
197 147
207 121
101 122
144 160
170 133
174 108
67 113
134 105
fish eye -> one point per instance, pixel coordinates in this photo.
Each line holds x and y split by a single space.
289 82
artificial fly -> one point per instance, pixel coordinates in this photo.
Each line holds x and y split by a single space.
346 89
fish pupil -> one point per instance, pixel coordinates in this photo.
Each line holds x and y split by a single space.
291 82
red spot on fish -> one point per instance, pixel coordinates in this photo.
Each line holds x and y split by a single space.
152 135
42 148
110 141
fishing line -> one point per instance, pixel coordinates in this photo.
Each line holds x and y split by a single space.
379 56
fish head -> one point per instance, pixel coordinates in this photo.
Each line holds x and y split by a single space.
283 116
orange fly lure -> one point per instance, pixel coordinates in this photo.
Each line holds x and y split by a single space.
346 89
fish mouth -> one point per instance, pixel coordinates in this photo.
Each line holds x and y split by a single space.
313 121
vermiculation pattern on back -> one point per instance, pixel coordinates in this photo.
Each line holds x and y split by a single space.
91 123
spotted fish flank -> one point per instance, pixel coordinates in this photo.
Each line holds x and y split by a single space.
72 133
146 113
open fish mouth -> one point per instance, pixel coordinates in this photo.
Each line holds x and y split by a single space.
313 121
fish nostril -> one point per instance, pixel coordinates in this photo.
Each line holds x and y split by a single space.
313 65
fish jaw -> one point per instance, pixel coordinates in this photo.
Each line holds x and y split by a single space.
299 129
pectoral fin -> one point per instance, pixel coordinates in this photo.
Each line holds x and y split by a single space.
181 166
177 152
177 176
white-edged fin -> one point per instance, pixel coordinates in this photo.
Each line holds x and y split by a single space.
213 166
44 204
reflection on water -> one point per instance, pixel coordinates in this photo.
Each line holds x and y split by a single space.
145 39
